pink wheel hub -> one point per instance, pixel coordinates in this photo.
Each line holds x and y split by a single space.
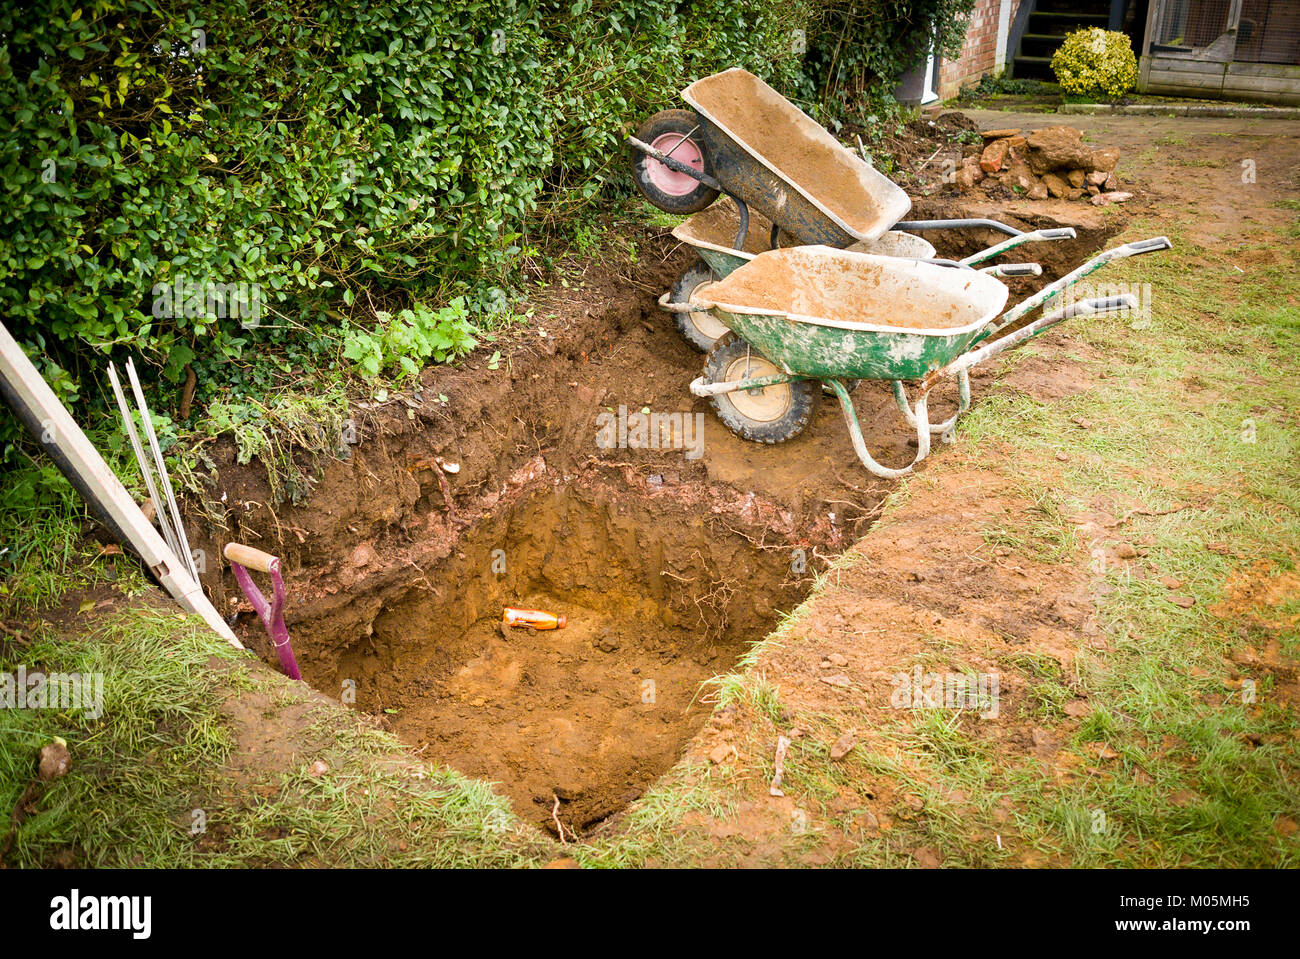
670 181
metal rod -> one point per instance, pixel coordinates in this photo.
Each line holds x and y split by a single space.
40 411
166 482
674 164
956 225
159 510
1063 233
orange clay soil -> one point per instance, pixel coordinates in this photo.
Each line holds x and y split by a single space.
857 291
769 127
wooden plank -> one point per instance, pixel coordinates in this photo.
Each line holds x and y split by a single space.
1179 65
1180 81
77 457
1262 84
1280 70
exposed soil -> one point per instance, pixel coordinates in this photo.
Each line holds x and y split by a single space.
842 287
667 566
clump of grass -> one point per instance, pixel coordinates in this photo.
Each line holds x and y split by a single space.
154 766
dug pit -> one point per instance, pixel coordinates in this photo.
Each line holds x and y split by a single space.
488 487
659 594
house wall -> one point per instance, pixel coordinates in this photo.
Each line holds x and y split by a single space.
982 53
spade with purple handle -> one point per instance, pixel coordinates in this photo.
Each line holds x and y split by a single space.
242 559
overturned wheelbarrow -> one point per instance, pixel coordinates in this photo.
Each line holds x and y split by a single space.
816 315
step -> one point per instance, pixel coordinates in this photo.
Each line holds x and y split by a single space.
1059 24
1033 68
1039 44
1087 7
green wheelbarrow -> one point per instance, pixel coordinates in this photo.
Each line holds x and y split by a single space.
810 316
713 232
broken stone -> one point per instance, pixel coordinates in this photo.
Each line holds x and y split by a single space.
1126 551
1054 148
1076 177
994 155
317 769
1097 177
55 759
1183 601
839 679
1169 582
1038 191
1057 186
999 134
1105 159
843 746
720 754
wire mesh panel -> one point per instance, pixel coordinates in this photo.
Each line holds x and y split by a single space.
1268 32
1190 24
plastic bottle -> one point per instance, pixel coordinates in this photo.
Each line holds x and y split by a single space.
533 618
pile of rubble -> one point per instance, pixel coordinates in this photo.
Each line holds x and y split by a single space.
1053 161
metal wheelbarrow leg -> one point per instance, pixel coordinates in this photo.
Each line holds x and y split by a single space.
241 559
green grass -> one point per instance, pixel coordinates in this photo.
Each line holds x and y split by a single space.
161 750
1196 410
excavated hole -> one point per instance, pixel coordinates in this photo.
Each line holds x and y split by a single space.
659 596
667 569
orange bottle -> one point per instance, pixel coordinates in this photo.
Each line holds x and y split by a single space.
533 618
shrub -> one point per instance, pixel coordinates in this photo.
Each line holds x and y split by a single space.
334 161
1097 64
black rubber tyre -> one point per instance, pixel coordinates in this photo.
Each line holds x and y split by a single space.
681 122
701 330
770 415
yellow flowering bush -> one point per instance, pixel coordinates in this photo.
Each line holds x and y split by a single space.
1096 63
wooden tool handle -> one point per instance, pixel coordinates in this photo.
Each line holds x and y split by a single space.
249 557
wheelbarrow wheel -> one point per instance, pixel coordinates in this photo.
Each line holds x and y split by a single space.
676 133
700 329
773 414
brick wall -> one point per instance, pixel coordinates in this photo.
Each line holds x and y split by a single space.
979 54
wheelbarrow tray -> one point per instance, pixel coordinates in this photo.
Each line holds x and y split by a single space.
712 233
839 314
783 164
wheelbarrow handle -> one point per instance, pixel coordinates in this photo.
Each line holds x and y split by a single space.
1134 248
1093 307
988 253
1153 245
1013 269
250 557
912 225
